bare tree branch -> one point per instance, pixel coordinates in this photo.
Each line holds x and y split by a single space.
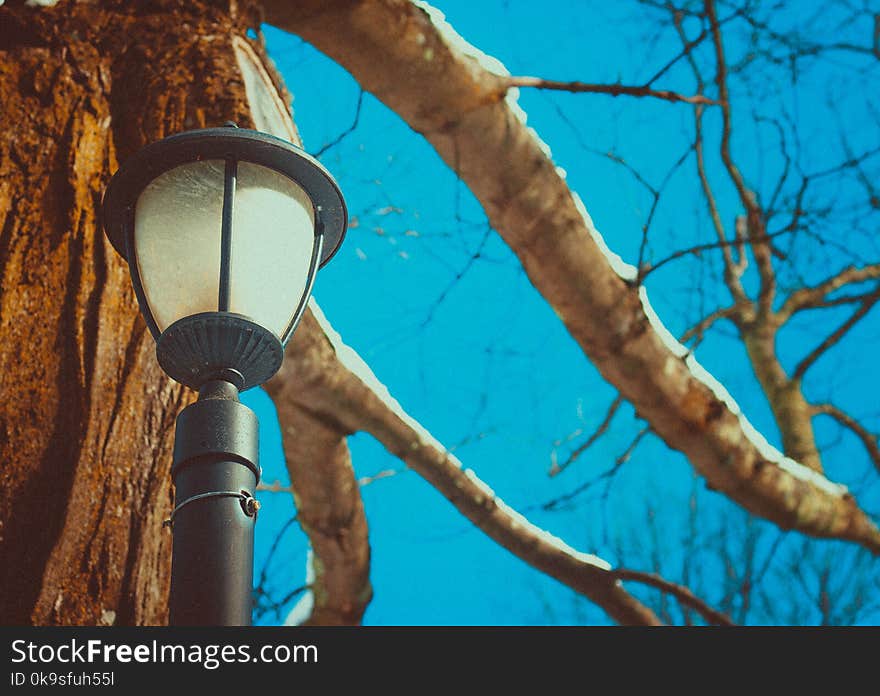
680 592
348 131
329 509
613 90
755 223
738 243
327 377
759 329
685 52
263 601
277 487
383 44
800 47
274 487
327 497
815 296
869 439
621 459
583 447
702 326
732 270
864 307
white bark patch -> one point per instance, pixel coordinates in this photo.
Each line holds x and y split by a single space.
455 41
625 270
770 453
355 364
676 348
302 610
767 451
520 524
482 62
268 109
38 3
796 469
108 617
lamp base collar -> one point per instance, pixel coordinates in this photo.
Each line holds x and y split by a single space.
219 345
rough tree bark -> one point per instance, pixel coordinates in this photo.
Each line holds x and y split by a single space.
433 80
85 437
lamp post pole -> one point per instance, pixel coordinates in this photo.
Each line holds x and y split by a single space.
215 472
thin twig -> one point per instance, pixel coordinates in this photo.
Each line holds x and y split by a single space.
700 328
339 138
557 469
680 592
869 439
385 473
817 352
732 270
612 90
620 461
808 298
723 244
272 549
274 487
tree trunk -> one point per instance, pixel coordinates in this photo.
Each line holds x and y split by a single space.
87 424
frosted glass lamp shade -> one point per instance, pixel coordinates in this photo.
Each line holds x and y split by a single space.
224 230
177 243
273 238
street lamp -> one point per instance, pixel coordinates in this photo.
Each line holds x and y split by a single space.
224 230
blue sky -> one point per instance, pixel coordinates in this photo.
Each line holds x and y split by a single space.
471 350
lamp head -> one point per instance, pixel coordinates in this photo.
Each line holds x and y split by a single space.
224 230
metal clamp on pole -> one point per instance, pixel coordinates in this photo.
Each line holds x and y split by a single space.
249 504
216 464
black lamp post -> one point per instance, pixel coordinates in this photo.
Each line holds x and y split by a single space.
224 230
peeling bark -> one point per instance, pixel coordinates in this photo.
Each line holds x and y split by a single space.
395 50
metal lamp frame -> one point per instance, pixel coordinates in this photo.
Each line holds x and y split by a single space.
225 336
